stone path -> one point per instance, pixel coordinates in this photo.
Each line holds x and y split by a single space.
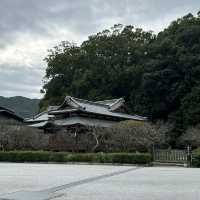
96 182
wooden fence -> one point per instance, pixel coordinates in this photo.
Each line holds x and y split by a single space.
170 156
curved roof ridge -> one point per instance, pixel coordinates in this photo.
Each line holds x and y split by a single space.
118 103
7 109
12 113
77 100
72 101
37 115
108 101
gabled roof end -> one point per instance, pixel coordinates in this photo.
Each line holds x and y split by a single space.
117 104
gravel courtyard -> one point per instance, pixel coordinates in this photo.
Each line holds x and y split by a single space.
85 182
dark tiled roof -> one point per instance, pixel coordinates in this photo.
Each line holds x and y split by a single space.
99 107
77 121
10 113
102 108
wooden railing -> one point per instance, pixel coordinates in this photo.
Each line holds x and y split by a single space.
175 156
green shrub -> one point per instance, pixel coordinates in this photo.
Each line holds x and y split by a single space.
57 157
104 158
42 156
137 158
196 158
24 156
84 157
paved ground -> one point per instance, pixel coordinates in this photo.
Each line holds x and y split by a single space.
83 182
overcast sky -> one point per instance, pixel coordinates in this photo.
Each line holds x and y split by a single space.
29 27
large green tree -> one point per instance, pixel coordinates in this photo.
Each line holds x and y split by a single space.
173 68
158 75
107 65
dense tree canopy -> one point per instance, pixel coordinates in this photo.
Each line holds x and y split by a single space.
172 71
109 64
158 75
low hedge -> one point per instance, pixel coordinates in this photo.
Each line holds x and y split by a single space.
44 156
196 158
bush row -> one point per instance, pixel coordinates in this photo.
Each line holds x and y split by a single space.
44 156
196 158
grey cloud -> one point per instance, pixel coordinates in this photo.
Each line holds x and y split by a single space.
19 81
44 18
23 14
82 16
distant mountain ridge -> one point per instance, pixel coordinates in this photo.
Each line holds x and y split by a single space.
23 106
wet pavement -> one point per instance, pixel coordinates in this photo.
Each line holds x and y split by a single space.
74 182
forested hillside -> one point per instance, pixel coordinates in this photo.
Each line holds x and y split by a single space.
158 75
23 106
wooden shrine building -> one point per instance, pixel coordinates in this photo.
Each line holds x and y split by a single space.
74 112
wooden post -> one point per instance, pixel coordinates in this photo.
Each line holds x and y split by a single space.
76 140
189 157
153 152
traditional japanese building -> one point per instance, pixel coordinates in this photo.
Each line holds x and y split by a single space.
74 112
7 115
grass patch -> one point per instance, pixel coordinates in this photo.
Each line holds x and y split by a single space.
45 156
